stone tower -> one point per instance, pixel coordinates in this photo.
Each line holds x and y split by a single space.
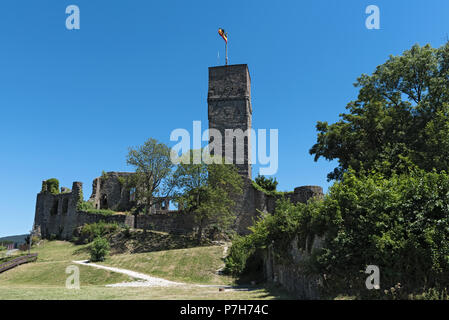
230 112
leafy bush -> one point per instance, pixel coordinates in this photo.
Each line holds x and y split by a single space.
432 294
99 249
85 206
51 185
127 231
399 223
272 192
244 260
88 207
276 230
89 232
35 239
104 175
240 251
268 184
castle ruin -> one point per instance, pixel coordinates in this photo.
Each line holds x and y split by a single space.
229 107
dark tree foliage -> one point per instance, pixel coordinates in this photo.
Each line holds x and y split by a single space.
400 117
268 184
398 223
152 180
208 190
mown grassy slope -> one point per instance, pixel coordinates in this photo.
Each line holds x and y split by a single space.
50 268
151 293
45 279
193 265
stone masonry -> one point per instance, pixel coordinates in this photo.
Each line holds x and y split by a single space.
229 101
229 110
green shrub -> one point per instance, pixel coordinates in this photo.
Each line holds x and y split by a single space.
127 231
85 206
88 207
399 223
89 232
104 175
35 239
432 294
272 192
240 251
245 260
51 185
268 184
99 249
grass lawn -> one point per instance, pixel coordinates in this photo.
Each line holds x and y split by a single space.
49 270
193 265
149 293
45 279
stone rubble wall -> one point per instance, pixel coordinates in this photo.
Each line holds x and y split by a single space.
291 276
109 193
173 222
57 215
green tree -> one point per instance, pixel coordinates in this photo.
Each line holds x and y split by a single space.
207 190
153 178
400 118
268 184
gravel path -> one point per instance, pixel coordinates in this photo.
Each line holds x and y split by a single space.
10 252
149 281
145 280
225 253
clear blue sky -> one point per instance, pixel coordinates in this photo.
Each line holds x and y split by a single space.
72 102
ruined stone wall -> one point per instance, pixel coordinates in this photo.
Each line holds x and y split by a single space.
56 213
253 201
110 192
88 218
173 222
291 275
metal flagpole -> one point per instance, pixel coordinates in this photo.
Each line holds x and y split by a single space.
226 48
